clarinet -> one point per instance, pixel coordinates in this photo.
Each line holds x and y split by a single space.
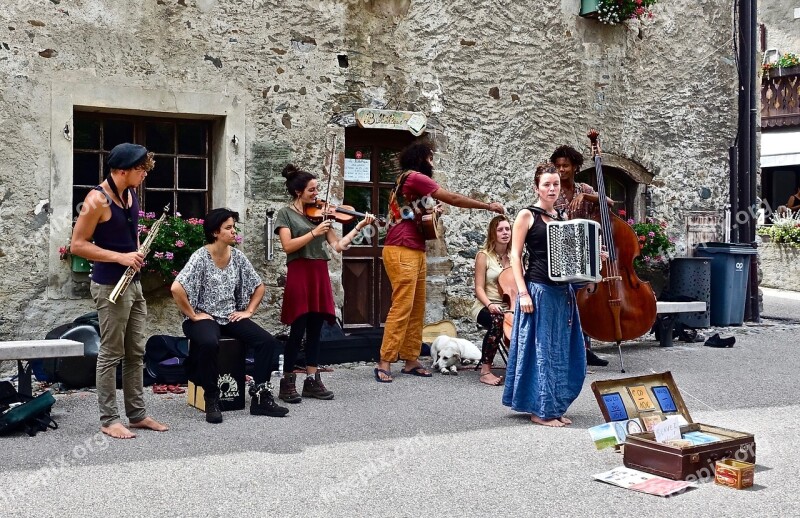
127 277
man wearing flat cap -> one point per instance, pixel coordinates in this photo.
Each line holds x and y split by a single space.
107 234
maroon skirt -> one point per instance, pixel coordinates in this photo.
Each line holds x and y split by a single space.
308 290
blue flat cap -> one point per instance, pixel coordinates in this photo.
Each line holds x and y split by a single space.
126 156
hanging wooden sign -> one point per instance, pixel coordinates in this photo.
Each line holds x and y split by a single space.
413 122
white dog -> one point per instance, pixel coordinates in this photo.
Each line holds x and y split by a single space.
448 353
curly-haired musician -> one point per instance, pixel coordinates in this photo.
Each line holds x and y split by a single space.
404 260
575 201
107 234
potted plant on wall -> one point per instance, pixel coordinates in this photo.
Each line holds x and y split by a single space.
656 248
785 229
77 264
613 12
177 239
786 64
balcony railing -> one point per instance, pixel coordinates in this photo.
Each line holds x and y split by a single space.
780 98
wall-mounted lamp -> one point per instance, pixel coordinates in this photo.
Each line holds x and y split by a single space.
67 134
235 141
269 230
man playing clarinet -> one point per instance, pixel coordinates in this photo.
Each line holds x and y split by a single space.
106 233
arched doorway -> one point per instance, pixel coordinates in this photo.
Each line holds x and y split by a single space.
626 183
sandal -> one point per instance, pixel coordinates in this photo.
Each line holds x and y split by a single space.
378 378
159 389
175 389
417 371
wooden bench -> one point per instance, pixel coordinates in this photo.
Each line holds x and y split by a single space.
666 312
34 349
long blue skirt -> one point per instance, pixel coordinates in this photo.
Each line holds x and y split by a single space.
547 357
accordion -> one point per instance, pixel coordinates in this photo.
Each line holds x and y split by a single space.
573 251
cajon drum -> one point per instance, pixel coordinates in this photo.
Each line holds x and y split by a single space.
231 380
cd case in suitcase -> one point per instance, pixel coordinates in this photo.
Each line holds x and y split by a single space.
651 399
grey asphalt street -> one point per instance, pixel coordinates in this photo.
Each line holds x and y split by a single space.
439 446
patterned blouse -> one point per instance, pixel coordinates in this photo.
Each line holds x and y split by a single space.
218 292
562 203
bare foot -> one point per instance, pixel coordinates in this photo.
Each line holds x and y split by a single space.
117 431
490 379
150 424
565 420
553 423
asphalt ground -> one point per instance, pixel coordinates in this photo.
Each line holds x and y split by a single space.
438 446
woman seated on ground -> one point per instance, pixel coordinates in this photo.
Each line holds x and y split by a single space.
489 309
218 291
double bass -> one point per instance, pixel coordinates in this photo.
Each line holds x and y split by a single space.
621 306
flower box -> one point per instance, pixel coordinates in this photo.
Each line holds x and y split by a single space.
79 264
589 8
784 72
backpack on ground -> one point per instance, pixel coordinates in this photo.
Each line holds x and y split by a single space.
29 414
164 359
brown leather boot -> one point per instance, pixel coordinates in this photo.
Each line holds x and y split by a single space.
288 391
313 387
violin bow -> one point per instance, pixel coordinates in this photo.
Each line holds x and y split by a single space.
330 176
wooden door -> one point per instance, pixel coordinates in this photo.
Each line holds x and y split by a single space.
367 291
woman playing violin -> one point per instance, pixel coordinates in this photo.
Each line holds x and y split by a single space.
307 297
546 358
489 309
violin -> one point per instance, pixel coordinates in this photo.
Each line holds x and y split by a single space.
318 211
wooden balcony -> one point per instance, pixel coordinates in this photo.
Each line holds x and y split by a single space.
780 98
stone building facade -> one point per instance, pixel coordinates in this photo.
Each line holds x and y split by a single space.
500 83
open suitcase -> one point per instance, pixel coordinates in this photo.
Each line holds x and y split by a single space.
655 397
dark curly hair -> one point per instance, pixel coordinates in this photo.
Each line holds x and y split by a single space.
543 169
296 179
568 152
415 157
214 220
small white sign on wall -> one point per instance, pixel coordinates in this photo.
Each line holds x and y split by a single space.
356 170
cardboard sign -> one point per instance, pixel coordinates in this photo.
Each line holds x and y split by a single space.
641 399
615 406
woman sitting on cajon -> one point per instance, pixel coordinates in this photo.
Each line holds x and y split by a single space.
218 291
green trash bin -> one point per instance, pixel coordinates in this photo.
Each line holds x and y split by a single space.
730 271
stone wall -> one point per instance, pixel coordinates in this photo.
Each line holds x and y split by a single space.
502 83
780 266
783 29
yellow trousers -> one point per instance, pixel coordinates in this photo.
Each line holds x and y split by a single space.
402 334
